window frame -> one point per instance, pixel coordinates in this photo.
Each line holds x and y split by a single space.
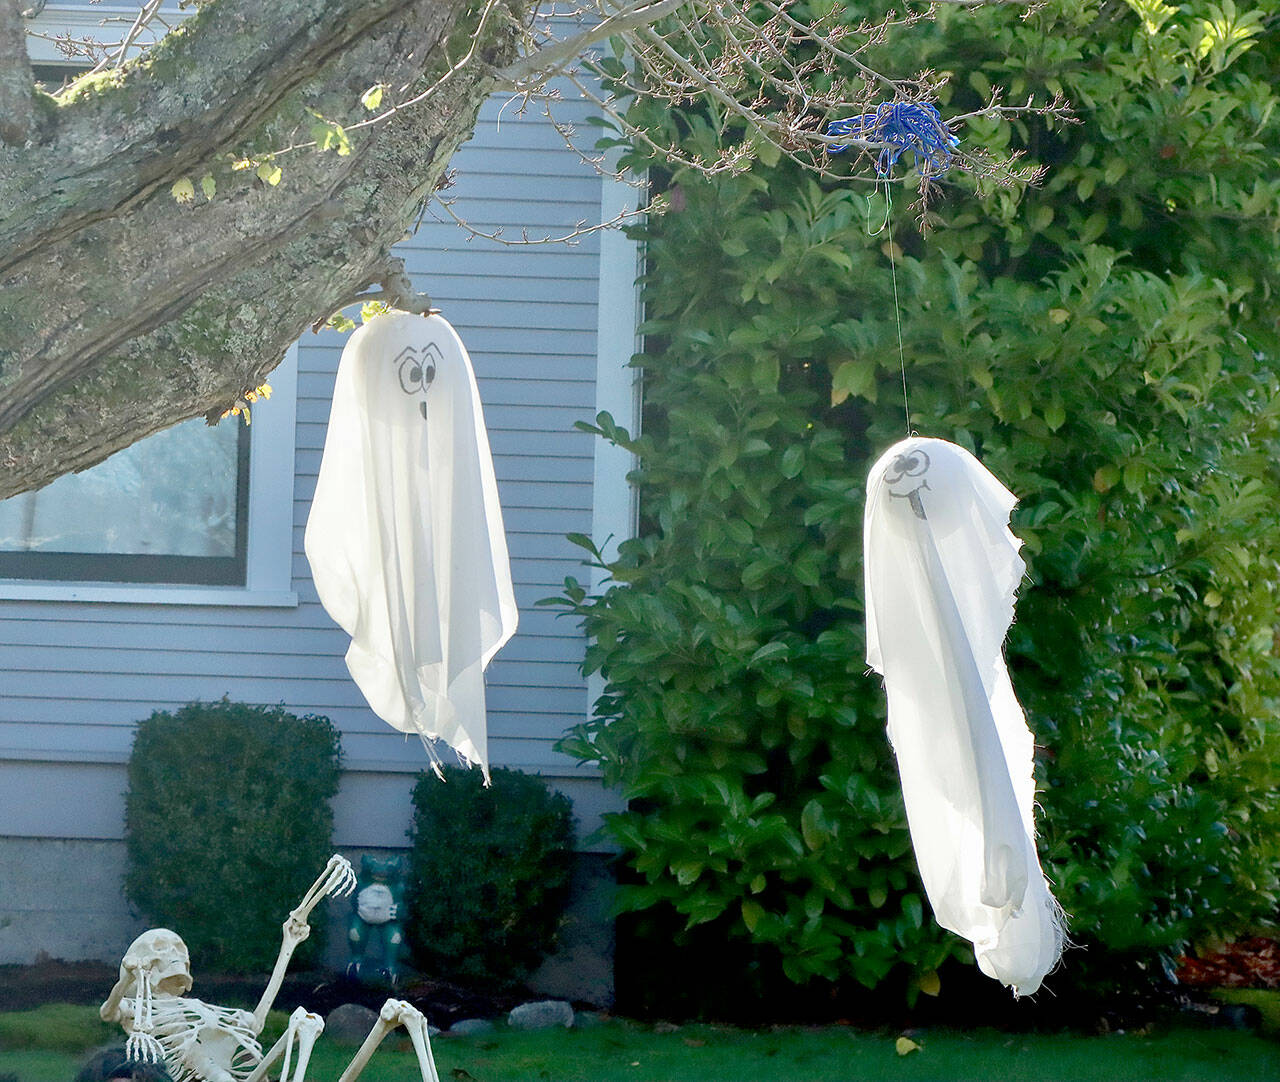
144 568
268 539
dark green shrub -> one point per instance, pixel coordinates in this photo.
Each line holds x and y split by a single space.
227 824
488 874
1107 345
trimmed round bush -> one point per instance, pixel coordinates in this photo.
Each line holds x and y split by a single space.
227 823
488 874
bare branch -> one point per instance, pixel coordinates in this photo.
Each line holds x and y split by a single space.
582 229
145 15
532 69
397 292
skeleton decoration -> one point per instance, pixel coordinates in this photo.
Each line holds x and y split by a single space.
202 1042
942 569
405 535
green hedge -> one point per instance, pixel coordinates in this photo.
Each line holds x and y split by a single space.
1107 345
489 874
227 823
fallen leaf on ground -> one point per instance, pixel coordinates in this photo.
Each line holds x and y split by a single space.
905 1046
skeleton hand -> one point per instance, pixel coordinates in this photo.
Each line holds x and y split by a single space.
143 1048
338 879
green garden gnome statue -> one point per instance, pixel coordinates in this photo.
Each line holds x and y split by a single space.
375 933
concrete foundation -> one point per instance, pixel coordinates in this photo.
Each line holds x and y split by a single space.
65 899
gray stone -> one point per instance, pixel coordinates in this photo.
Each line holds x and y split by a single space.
350 1023
112 1064
544 1014
470 1027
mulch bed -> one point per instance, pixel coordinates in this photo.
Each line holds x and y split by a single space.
53 981
1248 963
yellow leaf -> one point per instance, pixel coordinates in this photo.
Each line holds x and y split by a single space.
1105 478
241 164
1212 598
930 983
270 173
208 185
183 191
905 1046
371 99
1059 315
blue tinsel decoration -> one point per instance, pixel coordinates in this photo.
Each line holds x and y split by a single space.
913 126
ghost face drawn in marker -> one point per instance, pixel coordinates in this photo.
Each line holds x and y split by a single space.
906 478
417 369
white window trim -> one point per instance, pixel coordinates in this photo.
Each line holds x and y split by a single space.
614 501
615 505
269 562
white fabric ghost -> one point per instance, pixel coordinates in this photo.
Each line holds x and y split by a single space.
942 570
405 536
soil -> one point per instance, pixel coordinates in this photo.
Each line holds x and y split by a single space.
54 981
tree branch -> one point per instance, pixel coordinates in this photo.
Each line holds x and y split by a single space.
166 310
532 69
17 114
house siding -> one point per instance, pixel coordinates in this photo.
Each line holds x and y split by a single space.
77 677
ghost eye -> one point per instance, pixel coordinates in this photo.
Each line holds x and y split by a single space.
410 375
909 465
428 375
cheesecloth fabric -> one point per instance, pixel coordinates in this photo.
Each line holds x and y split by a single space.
405 535
942 570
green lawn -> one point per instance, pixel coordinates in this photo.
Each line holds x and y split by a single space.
620 1050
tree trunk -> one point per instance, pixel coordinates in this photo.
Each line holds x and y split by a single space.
123 310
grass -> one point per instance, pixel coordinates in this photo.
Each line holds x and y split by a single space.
619 1051
1265 1000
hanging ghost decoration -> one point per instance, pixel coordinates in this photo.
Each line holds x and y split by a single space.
942 569
405 536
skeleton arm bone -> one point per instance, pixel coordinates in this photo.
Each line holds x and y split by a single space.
396 1012
306 1027
111 1011
127 983
338 879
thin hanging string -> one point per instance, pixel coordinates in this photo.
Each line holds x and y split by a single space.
897 306
900 126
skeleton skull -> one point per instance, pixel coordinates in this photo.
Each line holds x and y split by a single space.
163 953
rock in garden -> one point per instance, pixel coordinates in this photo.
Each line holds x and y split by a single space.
546 1014
350 1023
111 1063
470 1027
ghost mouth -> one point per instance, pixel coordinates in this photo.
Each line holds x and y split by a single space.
422 407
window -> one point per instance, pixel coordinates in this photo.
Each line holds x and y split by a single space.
194 515
170 508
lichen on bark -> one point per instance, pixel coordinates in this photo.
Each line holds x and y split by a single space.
123 311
